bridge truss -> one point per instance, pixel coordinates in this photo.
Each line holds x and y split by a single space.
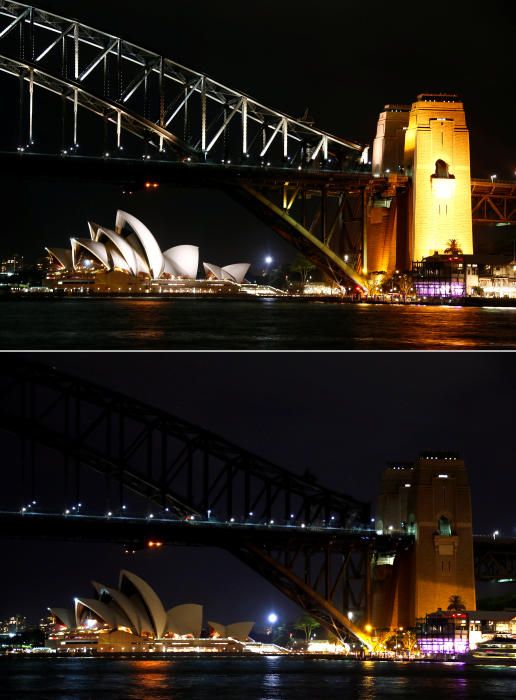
493 202
495 558
113 99
94 464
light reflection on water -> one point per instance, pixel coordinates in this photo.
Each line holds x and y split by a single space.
260 324
281 678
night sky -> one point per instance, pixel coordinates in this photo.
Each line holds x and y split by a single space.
343 60
341 415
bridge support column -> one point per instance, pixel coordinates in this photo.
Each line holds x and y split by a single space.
437 162
429 143
431 500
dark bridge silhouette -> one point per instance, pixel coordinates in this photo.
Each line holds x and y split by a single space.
88 463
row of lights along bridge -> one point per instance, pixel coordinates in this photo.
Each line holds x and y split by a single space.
210 519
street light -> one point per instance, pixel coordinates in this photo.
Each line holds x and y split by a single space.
495 533
493 177
268 260
272 618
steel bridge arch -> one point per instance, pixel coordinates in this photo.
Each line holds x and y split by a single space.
182 471
162 92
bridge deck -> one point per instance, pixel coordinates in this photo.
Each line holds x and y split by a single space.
139 531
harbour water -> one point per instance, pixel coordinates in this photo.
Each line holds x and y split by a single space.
258 324
264 678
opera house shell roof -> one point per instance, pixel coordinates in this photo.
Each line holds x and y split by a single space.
135 608
131 248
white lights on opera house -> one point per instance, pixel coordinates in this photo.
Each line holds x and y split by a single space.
132 617
130 255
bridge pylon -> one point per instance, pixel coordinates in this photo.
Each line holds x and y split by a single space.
423 151
430 500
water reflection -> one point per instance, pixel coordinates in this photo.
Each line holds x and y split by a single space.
215 324
272 685
367 689
150 677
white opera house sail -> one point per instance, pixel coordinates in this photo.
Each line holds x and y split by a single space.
128 258
132 615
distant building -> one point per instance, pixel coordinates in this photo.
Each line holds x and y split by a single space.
11 264
13 625
47 624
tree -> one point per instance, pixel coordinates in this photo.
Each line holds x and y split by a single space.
453 247
302 266
374 283
307 625
405 283
456 603
478 291
382 639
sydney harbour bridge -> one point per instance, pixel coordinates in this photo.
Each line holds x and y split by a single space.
85 463
82 103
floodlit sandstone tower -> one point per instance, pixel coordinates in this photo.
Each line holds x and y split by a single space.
430 500
389 143
437 163
427 143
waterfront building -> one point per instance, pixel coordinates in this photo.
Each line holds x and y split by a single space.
488 276
129 259
132 617
457 632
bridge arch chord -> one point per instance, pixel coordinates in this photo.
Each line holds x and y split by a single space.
175 466
325 581
213 119
336 269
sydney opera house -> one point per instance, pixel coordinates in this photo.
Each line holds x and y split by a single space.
132 618
129 258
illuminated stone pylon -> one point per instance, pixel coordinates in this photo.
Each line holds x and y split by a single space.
431 500
428 144
438 166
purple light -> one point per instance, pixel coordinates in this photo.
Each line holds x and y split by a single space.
439 289
437 645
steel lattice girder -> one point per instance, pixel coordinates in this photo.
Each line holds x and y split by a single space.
493 202
169 89
495 559
212 472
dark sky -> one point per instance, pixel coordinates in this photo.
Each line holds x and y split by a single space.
342 415
342 59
